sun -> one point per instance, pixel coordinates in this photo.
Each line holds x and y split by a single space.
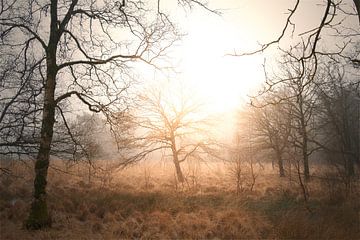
223 81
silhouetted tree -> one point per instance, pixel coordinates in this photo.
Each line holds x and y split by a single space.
53 51
292 85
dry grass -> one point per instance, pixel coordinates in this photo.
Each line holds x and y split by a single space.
145 202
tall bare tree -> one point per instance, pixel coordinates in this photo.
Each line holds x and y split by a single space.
298 79
57 51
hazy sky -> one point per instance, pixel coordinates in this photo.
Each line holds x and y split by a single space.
222 80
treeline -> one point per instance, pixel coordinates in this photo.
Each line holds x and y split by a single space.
306 121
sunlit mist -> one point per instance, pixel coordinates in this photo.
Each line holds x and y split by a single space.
179 119
206 65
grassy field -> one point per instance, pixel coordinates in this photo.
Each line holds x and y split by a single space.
146 202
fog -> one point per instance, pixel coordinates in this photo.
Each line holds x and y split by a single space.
179 119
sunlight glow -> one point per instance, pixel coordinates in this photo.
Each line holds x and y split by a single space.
223 81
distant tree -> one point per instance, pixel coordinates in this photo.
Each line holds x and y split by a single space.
336 35
236 166
272 128
297 76
89 132
340 118
244 162
170 120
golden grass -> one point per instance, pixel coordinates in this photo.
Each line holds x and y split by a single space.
146 202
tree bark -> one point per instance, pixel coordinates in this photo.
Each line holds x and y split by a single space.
39 216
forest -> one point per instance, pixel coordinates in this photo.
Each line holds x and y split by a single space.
179 119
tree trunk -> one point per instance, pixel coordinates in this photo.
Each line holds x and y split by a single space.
304 149
302 184
179 173
280 165
304 136
39 216
306 161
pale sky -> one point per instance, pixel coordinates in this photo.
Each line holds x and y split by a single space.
225 81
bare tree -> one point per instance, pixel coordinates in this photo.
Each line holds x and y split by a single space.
336 36
340 109
237 169
19 116
272 128
244 161
92 133
302 63
296 76
54 51
170 120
